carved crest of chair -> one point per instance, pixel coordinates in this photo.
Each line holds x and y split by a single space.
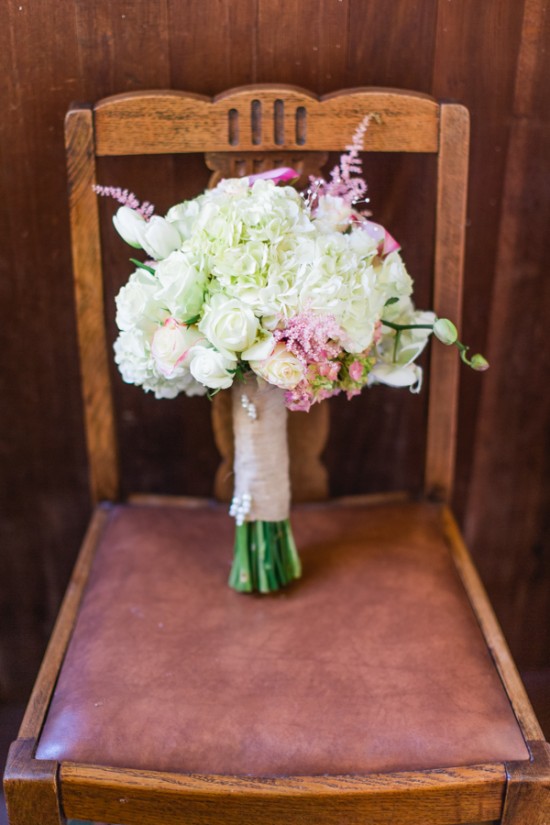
379 690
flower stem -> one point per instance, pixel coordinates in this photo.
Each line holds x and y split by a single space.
400 327
265 557
476 362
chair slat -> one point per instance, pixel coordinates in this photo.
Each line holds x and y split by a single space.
94 361
447 298
452 795
154 122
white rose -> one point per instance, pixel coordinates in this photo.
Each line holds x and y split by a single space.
210 367
130 225
135 302
171 345
229 324
159 238
182 285
282 368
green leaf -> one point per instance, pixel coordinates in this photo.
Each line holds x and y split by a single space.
192 320
391 301
141 265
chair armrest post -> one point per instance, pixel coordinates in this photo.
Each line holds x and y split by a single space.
527 799
31 787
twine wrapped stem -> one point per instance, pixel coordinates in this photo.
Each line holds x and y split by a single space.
265 554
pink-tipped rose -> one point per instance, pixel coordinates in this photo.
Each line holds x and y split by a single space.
171 344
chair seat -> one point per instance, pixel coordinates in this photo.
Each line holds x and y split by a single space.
372 662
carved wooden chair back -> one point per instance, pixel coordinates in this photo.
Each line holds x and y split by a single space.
243 131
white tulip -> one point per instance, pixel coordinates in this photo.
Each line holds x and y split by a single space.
130 226
159 238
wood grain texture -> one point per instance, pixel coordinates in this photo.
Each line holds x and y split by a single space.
43 499
45 681
447 297
491 631
207 58
511 459
187 122
474 63
31 787
528 790
88 280
447 797
396 55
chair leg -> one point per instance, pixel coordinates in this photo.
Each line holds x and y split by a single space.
30 786
528 791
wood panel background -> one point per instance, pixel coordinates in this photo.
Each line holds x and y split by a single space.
493 56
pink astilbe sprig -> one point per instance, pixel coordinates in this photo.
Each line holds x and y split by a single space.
126 198
310 337
314 340
342 183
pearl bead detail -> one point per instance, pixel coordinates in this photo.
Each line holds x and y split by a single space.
240 508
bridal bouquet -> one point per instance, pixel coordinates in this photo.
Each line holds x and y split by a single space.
286 299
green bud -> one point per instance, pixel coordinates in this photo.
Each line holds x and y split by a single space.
479 363
446 331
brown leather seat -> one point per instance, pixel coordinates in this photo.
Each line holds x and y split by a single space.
372 662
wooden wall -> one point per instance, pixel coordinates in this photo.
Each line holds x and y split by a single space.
491 55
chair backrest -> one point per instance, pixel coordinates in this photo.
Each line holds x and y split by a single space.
249 129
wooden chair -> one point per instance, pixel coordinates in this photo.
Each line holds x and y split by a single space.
380 689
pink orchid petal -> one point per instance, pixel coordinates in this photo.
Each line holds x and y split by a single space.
373 230
280 175
386 243
390 244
